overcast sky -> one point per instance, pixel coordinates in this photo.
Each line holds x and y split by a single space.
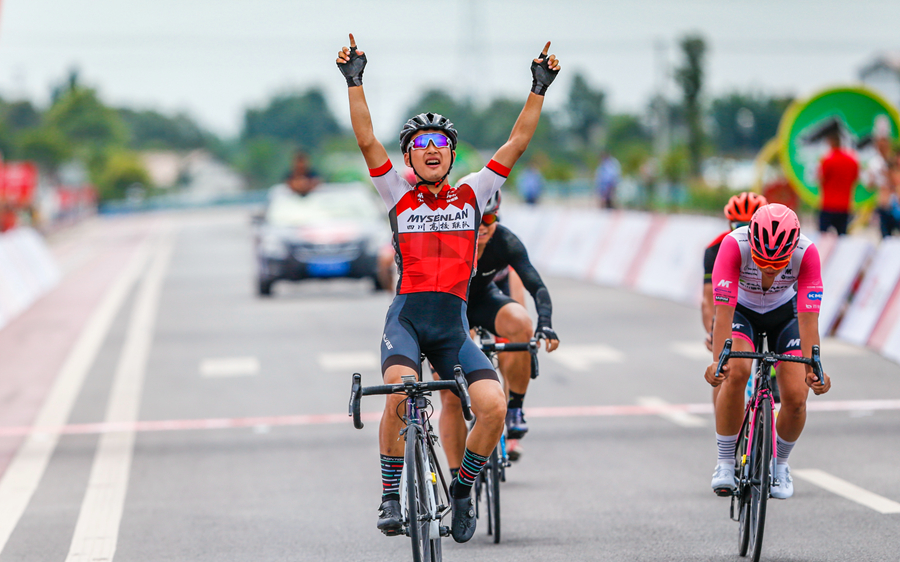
214 58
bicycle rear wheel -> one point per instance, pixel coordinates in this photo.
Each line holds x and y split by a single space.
418 524
761 457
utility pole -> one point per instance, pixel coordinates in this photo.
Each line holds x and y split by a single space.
471 52
661 102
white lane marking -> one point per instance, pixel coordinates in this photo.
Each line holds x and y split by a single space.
584 357
694 350
847 490
349 361
27 468
229 367
675 415
97 530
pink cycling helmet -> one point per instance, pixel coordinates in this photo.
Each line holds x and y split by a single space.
774 232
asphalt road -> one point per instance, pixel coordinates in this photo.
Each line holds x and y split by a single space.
189 343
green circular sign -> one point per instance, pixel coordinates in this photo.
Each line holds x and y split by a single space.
858 113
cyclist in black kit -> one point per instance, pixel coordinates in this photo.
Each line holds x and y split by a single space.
493 310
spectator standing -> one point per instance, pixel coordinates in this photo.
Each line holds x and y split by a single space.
609 172
878 177
838 173
531 184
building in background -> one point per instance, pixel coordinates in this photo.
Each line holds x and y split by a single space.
882 74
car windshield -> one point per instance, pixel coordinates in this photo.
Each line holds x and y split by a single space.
327 204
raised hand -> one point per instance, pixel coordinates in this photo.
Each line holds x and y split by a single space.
352 62
543 71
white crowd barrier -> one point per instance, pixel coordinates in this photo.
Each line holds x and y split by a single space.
27 271
662 256
872 298
846 259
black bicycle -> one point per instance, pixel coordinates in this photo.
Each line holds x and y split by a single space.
756 443
424 502
487 484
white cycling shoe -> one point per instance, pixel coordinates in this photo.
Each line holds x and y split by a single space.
723 479
783 486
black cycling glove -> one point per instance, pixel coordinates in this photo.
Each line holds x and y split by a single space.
546 331
541 75
353 68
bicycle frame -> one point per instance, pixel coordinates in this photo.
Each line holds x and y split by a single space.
754 472
417 421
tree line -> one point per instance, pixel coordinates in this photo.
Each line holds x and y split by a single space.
107 140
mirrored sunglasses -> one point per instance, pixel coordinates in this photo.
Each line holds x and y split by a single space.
488 219
439 140
763 263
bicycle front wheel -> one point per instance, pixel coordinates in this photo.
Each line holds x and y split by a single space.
492 481
417 521
741 498
761 457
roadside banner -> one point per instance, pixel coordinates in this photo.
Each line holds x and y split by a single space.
857 113
15 293
620 247
525 221
546 235
18 183
839 273
872 297
674 265
582 234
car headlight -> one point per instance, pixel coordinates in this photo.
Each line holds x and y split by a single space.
273 247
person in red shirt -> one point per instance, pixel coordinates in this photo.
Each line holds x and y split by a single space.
838 173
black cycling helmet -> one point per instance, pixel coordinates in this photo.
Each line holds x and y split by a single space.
427 122
493 204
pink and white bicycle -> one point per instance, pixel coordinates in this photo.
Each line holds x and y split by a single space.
754 455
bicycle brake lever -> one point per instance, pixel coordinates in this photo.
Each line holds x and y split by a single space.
817 364
354 400
463 389
723 356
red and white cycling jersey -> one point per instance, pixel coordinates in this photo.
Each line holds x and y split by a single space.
736 279
435 235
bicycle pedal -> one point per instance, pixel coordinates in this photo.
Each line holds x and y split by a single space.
445 531
393 532
724 492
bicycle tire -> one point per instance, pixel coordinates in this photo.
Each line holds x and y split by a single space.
418 533
493 477
742 493
759 482
439 496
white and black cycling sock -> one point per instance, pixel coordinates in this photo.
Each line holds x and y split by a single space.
784 449
726 444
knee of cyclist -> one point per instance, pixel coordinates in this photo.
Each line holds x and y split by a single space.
523 330
792 406
491 411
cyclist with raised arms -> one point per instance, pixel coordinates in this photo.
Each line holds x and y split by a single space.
490 308
754 280
434 234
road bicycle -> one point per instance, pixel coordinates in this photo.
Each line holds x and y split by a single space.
755 452
487 484
424 496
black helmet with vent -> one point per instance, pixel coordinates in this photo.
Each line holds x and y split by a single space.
427 122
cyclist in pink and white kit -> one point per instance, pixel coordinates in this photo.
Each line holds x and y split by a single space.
767 278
